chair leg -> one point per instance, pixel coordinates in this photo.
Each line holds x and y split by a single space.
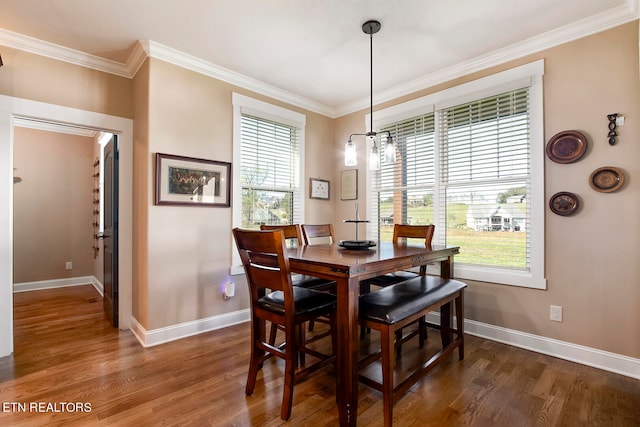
398 335
255 364
302 339
445 324
387 347
291 360
422 332
460 324
272 334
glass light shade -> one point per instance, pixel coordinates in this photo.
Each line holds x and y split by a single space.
374 158
389 151
350 156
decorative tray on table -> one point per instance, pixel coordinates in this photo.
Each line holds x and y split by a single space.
357 244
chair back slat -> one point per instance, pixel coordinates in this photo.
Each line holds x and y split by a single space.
313 231
413 232
292 232
265 261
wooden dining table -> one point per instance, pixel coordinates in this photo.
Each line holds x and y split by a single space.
348 267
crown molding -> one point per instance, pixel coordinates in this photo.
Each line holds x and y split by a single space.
144 49
181 59
583 28
61 53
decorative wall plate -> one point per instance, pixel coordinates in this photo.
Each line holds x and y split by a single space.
567 146
606 179
564 203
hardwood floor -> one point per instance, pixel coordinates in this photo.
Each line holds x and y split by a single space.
71 368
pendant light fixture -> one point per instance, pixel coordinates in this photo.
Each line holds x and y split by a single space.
350 155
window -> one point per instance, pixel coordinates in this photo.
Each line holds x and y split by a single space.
267 166
469 160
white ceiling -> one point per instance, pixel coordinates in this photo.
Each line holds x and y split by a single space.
315 49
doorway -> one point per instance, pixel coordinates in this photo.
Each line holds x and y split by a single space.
12 108
62 178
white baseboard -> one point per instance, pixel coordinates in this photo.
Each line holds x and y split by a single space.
58 283
600 359
187 329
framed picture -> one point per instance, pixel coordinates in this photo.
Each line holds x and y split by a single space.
349 185
318 189
192 182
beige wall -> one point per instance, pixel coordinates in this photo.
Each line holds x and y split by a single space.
52 210
188 249
591 266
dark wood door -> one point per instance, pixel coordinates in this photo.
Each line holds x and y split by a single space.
110 239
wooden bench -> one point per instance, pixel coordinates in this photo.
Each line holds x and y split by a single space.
393 308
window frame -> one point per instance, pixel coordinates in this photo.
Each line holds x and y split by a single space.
245 105
526 75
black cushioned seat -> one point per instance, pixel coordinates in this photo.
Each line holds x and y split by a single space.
397 302
307 301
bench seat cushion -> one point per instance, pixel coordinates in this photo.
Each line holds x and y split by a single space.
397 302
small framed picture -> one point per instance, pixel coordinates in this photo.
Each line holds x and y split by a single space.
192 182
318 189
349 185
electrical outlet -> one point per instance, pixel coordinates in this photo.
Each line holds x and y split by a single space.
229 290
555 313
68 265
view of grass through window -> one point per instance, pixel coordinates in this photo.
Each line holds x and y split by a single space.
498 239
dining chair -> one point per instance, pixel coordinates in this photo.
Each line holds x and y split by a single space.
397 306
273 298
401 234
293 235
318 231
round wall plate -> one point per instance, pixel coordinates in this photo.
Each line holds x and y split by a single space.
567 147
606 179
564 203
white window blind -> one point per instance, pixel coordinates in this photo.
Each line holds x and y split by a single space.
485 180
409 182
270 170
476 171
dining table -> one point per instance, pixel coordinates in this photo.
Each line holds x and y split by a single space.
348 267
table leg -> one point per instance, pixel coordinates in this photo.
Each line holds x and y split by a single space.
446 268
347 351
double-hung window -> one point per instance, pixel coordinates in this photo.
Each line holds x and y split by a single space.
469 160
268 145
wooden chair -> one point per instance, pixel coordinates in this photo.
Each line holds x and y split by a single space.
292 232
402 232
267 268
315 231
293 235
395 307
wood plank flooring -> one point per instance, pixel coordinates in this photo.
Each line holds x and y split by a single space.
70 368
